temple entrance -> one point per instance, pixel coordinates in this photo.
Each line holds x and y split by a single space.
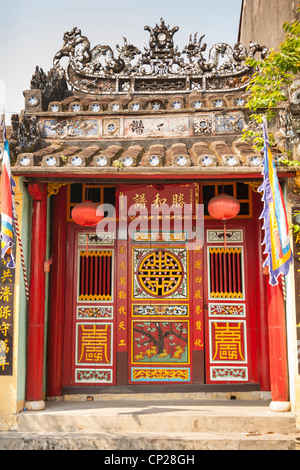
150 308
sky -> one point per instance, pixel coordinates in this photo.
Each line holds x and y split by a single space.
32 31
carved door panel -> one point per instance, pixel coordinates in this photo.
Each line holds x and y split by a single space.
90 309
160 313
229 308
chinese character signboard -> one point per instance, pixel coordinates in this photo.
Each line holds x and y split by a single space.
7 282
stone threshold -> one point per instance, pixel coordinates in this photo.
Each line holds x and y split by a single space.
245 396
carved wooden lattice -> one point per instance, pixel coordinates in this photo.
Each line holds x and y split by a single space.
226 273
95 276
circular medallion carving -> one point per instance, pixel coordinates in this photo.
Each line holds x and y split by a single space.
160 273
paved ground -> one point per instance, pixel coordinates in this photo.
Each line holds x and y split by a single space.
154 425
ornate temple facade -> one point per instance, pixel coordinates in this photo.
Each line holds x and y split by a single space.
155 297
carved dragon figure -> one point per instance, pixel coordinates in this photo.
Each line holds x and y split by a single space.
221 49
77 48
25 134
235 57
194 51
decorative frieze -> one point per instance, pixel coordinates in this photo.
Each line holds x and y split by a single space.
72 128
229 122
160 310
161 126
160 68
105 238
217 236
160 374
94 376
226 374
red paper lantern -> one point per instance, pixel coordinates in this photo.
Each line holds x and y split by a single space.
224 207
86 214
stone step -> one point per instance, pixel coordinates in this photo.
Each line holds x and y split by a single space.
156 441
242 417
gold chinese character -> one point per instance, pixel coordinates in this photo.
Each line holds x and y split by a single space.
178 200
198 280
122 281
198 310
94 343
5 312
228 342
122 249
4 328
198 325
198 264
5 293
3 362
198 343
122 265
122 294
157 202
140 201
198 294
122 325
6 275
122 311
122 342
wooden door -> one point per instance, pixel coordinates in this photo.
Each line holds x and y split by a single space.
89 353
164 296
161 310
230 320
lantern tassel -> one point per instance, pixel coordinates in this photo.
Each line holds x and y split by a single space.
225 235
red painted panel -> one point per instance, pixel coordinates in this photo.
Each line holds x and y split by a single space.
122 288
197 278
90 329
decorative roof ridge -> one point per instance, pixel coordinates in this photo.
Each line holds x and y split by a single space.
161 67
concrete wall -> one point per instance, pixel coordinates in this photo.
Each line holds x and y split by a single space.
261 21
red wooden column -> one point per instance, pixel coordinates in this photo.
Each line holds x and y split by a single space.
36 314
278 349
57 294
